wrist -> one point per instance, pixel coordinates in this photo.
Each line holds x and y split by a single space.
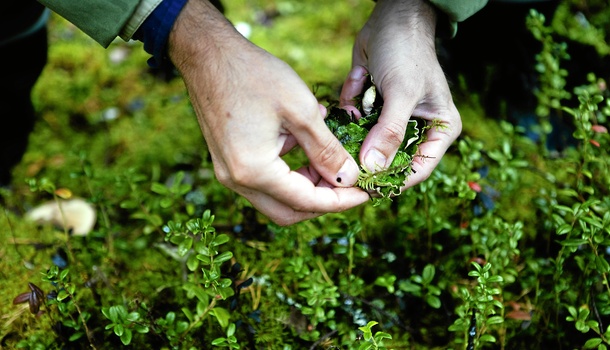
199 31
154 31
416 16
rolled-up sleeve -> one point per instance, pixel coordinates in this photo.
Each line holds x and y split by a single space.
102 20
458 10
144 9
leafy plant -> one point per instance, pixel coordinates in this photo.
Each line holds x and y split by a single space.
229 341
70 314
122 322
421 286
372 341
385 183
504 246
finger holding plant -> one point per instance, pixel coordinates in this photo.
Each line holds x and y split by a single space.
352 123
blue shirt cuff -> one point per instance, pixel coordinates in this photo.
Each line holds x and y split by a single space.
154 32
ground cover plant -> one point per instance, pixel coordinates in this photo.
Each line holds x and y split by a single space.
505 246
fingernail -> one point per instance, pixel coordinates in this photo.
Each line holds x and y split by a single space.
374 160
348 174
357 73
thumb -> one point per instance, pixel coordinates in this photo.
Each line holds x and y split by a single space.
382 142
326 153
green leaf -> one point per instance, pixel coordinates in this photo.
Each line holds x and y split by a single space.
231 330
225 282
106 312
487 338
76 336
192 262
365 346
592 343
205 259
382 335
170 317
119 329
572 311
495 320
166 202
220 258
219 341
428 274
594 325
409 287
222 315
602 265
433 301
220 239
141 328
181 326
159 189
62 295
189 315
126 337
63 274
573 242
495 279
133 317
185 245
129 204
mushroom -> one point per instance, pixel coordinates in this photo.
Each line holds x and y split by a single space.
78 215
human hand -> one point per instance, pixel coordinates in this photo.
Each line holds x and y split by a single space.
396 46
252 109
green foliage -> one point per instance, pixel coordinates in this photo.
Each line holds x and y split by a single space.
504 246
372 341
421 286
122 322
230 341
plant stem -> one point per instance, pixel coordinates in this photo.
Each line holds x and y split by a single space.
199 319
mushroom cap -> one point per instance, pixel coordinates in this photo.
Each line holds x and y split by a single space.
79 215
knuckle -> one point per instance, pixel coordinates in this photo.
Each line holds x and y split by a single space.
283 220
223 176
239 172
300 121
302 112
301 207
328 152
457 123
243 176
394 133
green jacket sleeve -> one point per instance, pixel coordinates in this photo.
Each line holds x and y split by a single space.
100 19
458 10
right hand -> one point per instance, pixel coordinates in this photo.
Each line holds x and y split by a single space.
253 108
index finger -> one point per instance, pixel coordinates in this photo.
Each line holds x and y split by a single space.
300 193
353 86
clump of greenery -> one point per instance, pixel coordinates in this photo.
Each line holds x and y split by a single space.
351 132
504 246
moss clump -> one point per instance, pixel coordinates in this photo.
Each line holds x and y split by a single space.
351 132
